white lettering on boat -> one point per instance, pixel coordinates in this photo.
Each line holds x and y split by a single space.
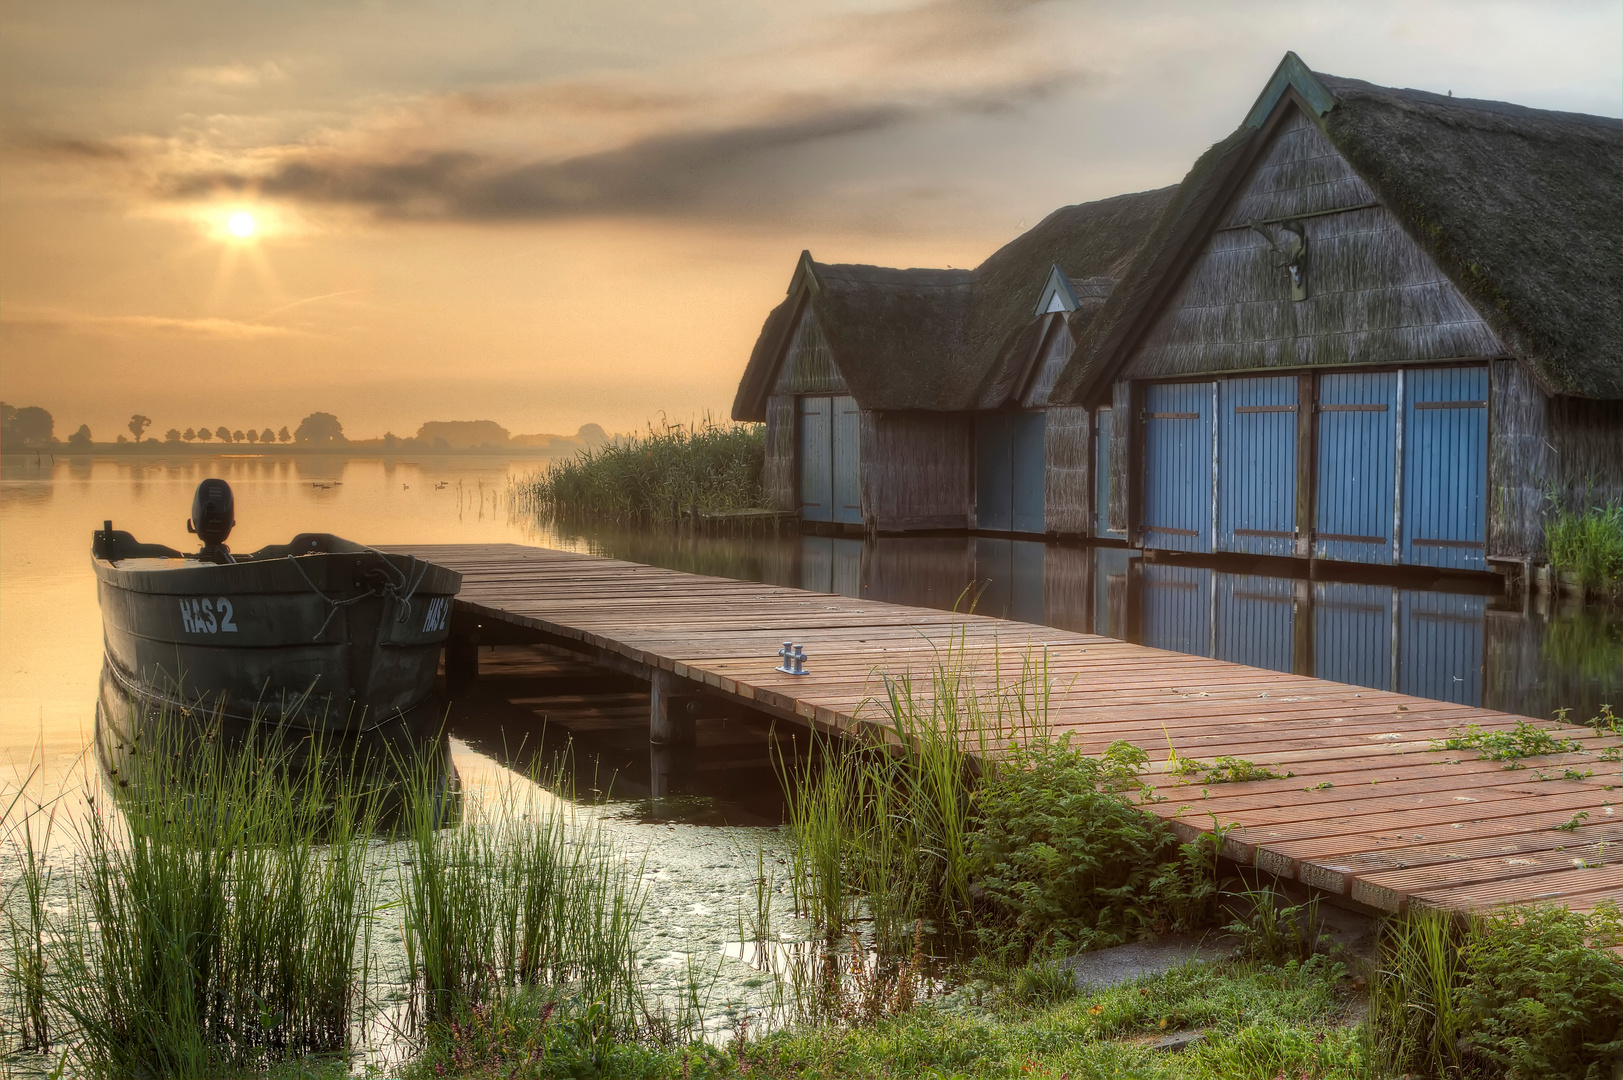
201 616
438 609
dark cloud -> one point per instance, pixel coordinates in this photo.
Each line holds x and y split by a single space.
67 147
657 174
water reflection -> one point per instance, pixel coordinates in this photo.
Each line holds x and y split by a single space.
1457 646
137 746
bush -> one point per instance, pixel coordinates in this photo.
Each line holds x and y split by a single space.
1526 993
1065 861
655 477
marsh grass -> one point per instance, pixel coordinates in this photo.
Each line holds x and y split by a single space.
521 896
1588 542
882 824
654 477
211 917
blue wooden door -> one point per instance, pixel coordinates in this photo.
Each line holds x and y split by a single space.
1256 620
816 459
1256 466
1178 608
994 470
1445 468
1027 466
1440 651
847 460
1357 467
1352 633
1178 451
1101 475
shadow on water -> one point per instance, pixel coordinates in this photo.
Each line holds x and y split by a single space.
536 705
1452 640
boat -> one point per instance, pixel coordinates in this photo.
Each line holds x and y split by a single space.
319 633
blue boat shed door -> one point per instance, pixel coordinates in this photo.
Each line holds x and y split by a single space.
1357 472
1009 466
1178 465
1256 454
1445 468
830 459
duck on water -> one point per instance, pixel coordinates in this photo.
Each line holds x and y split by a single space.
320 633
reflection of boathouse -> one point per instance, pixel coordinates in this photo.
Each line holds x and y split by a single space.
1372 325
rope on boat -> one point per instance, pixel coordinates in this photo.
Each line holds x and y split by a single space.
390 588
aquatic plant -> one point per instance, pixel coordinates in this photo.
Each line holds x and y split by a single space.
1588 542
216 910
519 896
654 477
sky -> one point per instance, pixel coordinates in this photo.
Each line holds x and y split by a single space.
550 212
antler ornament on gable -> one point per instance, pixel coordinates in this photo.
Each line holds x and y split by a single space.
1289 244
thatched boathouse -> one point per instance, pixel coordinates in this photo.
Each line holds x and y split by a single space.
906 400
1374 325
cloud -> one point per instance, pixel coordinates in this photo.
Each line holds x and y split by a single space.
659 173
683 141
129 326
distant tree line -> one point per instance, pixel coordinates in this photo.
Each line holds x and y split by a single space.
31 427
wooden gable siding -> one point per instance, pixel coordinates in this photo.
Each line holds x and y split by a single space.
918 470
1056 353
778 469
1373 296
1068 472
808 363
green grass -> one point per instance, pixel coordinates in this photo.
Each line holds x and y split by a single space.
1589 543
518 897
654 477
213 920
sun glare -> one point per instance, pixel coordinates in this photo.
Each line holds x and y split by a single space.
241 224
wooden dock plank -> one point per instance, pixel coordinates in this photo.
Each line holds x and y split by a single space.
1376 811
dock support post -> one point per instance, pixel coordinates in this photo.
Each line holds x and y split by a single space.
461 660
669 723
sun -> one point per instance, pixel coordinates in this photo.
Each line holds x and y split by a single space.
241 225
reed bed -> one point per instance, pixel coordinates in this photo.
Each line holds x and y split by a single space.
655 477
212 910
1589 543
520 897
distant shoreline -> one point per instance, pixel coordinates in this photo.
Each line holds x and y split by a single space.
368 448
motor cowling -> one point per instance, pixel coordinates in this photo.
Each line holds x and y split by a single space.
214 513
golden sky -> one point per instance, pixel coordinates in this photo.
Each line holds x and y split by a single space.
548 212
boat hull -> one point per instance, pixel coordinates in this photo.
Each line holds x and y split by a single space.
338 638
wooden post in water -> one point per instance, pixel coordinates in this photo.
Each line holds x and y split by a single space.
461 659
669 722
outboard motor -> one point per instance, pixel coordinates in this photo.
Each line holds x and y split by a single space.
214 512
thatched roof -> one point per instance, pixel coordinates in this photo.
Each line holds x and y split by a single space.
1521 208
933 339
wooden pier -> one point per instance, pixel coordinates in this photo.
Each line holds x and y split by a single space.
1373 814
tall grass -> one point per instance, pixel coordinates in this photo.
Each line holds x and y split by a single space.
214 912
1589 543
882 826
654 477
216 916
520 896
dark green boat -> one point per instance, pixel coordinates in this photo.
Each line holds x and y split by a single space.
319 633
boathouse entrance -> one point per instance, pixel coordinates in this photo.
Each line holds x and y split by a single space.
1009 471
830 460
